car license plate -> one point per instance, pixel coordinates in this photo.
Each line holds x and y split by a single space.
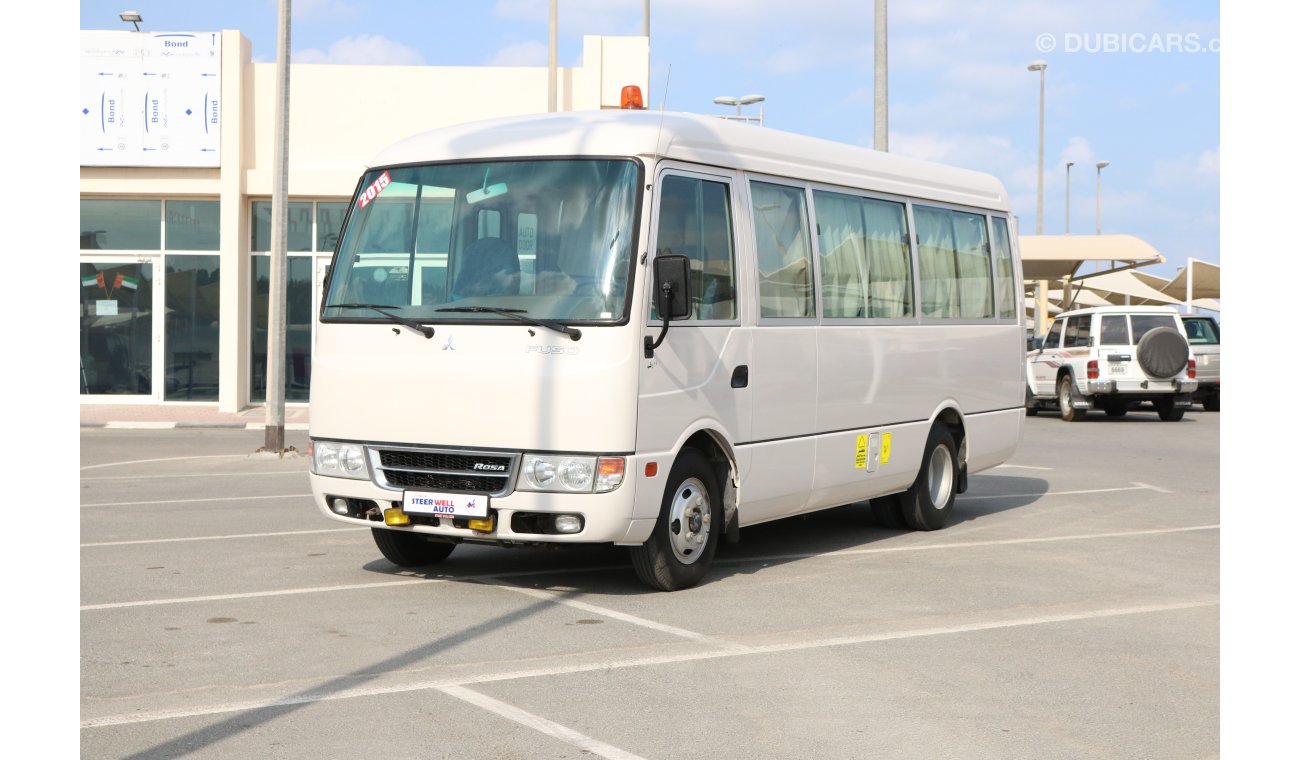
1116 369
444 504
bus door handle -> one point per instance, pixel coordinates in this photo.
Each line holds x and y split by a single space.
740 377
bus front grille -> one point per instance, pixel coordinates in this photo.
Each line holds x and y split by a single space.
449 471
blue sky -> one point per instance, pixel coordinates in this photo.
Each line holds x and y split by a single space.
960 92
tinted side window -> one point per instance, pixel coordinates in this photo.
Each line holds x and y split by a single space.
1077 332
695 220
1145 323
1114 330
1054 335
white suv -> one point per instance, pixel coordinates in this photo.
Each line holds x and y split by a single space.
1110 358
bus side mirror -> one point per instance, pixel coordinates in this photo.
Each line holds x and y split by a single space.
672 294
672 286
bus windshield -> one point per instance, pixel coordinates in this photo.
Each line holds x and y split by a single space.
550 239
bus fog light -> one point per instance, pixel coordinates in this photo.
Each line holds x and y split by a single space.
568 523
339 505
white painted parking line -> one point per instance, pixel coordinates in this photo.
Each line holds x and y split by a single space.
164 459
537 723
298 473
1137 487
197 501
1020 467
606 568
221 538
1154 488
971 544
797 643
552 596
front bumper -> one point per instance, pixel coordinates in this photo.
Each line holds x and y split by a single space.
607 517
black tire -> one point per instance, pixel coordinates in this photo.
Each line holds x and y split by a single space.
1165 408
1065 396
681 547
887 512
407 549
1162 353
1031 406
1211 403
928 503
1116 408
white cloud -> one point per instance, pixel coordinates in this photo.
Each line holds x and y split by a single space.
528 53
363 49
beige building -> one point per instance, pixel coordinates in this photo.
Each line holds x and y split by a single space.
173 258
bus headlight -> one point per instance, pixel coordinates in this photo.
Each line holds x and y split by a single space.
567 474
339 460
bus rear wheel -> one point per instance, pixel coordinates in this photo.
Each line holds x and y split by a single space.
406 549
928 503
681 547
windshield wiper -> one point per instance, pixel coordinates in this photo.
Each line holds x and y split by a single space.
518 314
424 330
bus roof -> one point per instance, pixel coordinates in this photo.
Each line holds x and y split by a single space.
704 140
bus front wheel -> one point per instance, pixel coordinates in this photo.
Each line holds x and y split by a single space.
406 549
678 553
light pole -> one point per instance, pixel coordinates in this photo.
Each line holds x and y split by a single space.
727 100
881 130
551 86
1068 164
1040 300
277 301
1100 165
1041 68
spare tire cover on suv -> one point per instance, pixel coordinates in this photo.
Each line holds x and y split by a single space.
1162 352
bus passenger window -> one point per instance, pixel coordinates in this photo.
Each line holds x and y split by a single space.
695 221
1003 269
784 251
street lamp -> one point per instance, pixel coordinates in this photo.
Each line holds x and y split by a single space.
744 100
1040 300
1068 164
1041 68
131 17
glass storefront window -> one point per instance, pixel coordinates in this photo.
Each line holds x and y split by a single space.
117 225
298 319
299 226
193 225
329 220
117 328
190 328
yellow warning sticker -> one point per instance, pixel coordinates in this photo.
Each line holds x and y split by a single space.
884 447
860 461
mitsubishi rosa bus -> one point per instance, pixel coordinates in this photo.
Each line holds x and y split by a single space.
652 330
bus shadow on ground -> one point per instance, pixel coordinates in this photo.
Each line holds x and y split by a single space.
607 570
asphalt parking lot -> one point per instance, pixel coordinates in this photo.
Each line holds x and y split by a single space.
1069 610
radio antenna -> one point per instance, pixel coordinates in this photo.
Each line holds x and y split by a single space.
658 137
662 102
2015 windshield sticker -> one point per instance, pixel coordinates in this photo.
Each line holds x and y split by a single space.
374 190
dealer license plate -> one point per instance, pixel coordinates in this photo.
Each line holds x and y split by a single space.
444 504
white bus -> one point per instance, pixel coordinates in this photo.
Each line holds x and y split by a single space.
652 330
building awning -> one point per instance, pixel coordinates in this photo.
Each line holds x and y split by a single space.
1055 257
1114 286
1205 281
